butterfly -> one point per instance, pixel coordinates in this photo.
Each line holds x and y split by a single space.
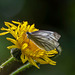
47 40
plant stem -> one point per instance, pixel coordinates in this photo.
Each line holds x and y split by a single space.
6 62
21 69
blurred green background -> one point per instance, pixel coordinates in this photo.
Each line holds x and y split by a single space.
54 15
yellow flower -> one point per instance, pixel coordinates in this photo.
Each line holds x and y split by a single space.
30 52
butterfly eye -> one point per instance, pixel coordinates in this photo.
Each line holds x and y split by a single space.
16 53
27 33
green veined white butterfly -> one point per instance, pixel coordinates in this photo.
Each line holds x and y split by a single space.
47 40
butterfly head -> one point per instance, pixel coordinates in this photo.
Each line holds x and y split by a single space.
28 33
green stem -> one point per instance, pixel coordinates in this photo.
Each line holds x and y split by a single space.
21 69
6 62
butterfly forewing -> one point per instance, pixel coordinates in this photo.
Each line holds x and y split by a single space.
47 34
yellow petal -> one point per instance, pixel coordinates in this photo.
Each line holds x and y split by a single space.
4 33
13 28
13 41
50 55
10 24
41 61
24 59
49 60
16 22
24 46
20 39
31 28
33 62
13 46
24 25
7 24
4 29
28 28
35 30
13 33
52 52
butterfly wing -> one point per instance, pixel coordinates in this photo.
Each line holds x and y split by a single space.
45 39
